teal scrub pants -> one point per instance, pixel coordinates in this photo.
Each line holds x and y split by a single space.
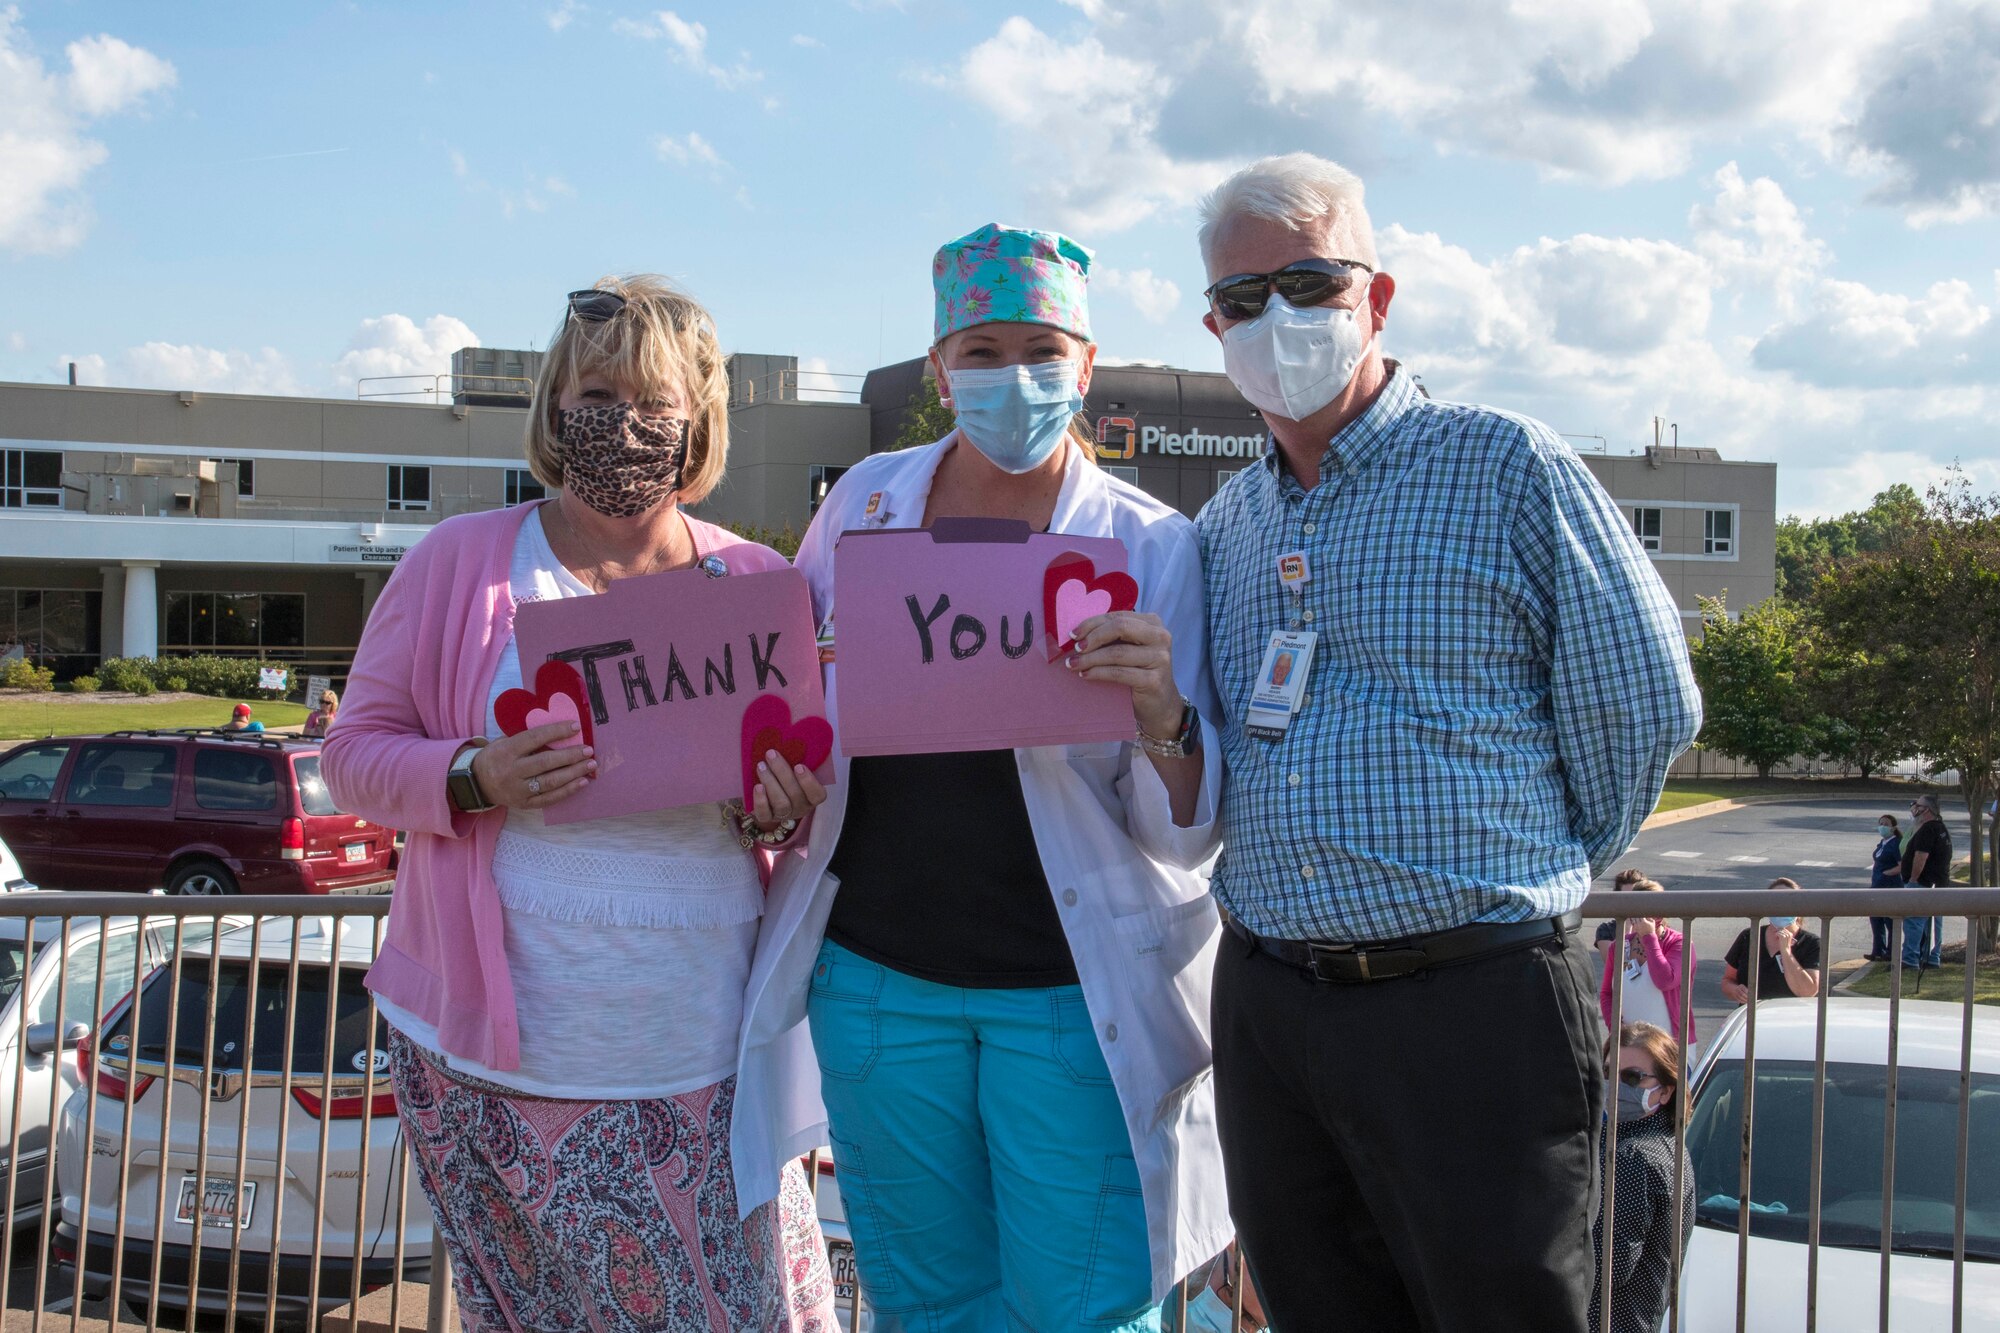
981 1153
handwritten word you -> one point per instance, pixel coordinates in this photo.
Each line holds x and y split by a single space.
967 635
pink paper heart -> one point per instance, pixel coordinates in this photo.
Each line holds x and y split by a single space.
1075 604
561 708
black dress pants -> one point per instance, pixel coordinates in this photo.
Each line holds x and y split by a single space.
1418 1153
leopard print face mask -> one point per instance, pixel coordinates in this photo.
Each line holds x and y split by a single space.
618 462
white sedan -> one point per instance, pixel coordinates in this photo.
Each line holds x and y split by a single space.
1926 1170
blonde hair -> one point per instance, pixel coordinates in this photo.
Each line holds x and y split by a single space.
329 699
661 343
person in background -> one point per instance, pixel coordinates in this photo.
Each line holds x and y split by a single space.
1887 873
1608 930
1653 962
1787 960
239 720
1646 1243
564 1000
1926 863
320 720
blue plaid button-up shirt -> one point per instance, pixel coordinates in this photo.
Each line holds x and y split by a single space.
1499 684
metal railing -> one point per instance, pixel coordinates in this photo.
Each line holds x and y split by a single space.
443 386
66 936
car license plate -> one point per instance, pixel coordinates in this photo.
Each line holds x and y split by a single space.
841 1256
218 1202
356 851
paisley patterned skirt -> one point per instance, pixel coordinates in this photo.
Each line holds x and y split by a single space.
617 1217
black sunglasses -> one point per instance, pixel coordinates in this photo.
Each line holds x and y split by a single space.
1309 282
594 305
1637 1078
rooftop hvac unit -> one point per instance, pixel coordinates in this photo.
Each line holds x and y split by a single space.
493 376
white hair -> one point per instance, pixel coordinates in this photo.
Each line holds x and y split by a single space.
1298 190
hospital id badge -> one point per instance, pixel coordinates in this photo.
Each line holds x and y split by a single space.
1281 684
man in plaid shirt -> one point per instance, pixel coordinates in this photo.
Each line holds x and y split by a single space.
1486 685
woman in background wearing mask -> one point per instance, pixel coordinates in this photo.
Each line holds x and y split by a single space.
565 1000
1004 954
1644 1247
1887 873
1787 960
1653 951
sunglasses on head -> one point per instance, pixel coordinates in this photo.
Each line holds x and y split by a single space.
1309 282
594 305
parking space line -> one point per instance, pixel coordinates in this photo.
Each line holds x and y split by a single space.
1750 860
1819 865
1682 856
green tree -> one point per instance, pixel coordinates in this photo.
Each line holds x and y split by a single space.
1808 547
926 419
1754 704
1864 709
1935 599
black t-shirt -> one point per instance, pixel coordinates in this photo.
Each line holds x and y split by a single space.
939 876
1933 837
1770 983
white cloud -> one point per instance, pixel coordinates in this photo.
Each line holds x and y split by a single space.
1154 297
1085 120
1140 104
535 194
687 44
45 153
164 365
17 342
801 39
564 14
1850 390
818 383
689 151
397 345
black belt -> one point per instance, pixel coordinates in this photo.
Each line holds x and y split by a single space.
1383 960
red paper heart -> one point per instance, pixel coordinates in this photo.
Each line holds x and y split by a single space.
1071 568
767 726
518 710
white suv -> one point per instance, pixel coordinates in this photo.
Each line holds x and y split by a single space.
325 1135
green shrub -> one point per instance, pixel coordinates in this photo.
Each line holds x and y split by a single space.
126 673
84 684
23 674
178 684
141 686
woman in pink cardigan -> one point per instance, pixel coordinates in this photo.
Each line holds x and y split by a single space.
1652 974
565 1000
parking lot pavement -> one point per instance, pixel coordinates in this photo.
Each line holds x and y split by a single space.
1822 844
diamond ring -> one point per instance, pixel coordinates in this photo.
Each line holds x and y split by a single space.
534 786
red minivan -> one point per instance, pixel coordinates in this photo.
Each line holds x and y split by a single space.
194 811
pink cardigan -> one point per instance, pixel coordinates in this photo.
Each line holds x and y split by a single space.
1662 951
416 694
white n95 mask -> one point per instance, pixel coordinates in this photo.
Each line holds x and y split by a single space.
1291 362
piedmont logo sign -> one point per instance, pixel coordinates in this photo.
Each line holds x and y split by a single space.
1120 438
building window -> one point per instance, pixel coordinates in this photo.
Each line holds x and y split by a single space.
823 475
246 476
198 621
521 487
1124 473
54 627
1223 474
409 487
1646 527
32 479
1718 532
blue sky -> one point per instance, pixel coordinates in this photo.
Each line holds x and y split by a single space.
1772 222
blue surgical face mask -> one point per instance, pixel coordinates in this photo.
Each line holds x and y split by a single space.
1782 921
1016 415
1883 830
1633 1103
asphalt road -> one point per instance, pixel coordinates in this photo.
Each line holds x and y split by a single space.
1820 843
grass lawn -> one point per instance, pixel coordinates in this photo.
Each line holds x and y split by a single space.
26 719
1946 983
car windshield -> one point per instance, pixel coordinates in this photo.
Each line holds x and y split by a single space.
313 795
1926 1183
233 1030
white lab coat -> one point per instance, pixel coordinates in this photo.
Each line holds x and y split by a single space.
1140 922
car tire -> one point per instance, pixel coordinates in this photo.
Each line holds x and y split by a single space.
202 879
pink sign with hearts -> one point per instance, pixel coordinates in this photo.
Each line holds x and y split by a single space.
678 673
941 639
